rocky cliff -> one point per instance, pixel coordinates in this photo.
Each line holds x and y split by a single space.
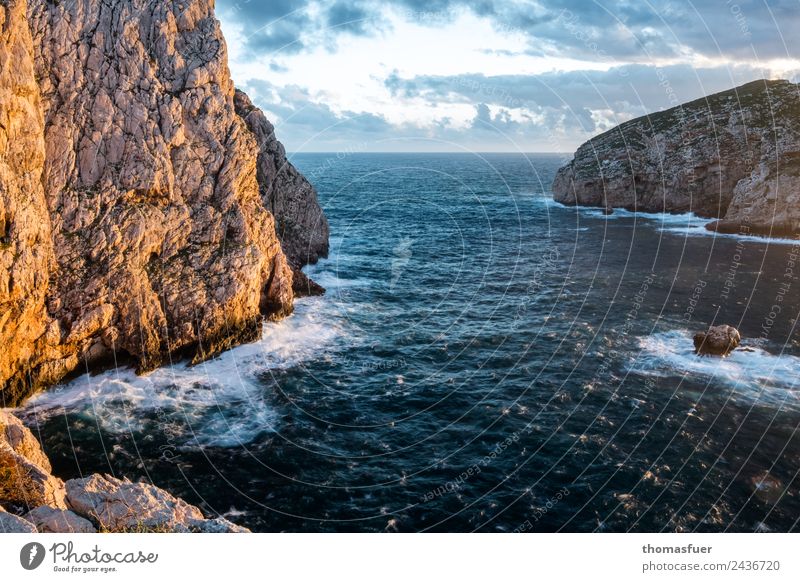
733 155
137 196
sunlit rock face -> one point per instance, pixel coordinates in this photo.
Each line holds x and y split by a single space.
734 155
132 221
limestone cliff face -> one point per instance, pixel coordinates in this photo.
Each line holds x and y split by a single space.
133 221
26 249
300 222
734 155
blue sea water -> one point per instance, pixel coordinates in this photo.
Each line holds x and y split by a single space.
484 360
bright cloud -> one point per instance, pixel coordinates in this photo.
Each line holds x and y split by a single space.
495 76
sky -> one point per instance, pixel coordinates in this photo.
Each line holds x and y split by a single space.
492 75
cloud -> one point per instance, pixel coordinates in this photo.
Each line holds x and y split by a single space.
630 88
620 60
592 30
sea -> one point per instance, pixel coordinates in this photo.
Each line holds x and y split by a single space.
485 359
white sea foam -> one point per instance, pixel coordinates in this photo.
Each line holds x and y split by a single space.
685 219
702 231
751 371
686 224
222 402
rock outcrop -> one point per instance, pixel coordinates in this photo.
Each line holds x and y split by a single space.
51 520
733 155
26 248
300 222
84 505
719 340
137 196
25 479
10 523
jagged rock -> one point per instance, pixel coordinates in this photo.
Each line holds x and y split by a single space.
121 505
719 340
717 156
10 523
303 286
20 438
217 525
300 222
25 479
51 520
25 484
135 201
26 252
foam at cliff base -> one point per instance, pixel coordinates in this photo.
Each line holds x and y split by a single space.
687 224
221 402
702 231
753 373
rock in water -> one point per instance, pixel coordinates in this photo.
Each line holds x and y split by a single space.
717 156
136 193
719 340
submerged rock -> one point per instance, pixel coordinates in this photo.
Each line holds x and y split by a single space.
718 156
719 340
52 520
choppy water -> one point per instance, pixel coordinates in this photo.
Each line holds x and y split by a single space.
485 359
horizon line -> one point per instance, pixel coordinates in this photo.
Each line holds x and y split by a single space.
349 153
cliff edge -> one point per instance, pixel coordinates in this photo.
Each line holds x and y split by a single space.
734 156
137 217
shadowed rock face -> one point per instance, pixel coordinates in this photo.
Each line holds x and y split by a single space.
132 221
300 222
734 155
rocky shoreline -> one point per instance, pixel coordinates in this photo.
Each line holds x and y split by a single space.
32 499
732 156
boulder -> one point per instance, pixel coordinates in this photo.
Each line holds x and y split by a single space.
25 479
719 340
51 520
12 524
218 525
21 439
26 484
122 506
303 286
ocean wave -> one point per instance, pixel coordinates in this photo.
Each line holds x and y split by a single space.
222 402
687 223
751 371
686 219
